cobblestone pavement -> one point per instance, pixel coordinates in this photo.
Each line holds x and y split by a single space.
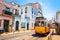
24 36
56 37
30 35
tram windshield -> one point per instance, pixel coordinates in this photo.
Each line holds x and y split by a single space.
40 21
40 24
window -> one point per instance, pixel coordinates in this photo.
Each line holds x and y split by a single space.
32 16
25 9
26 17
34 13
39 11
16 12
32 10
21 11
7 11
7 8
22 25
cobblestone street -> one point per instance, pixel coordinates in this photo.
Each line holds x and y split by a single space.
29 35
29 20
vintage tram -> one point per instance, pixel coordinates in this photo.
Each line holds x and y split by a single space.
41 26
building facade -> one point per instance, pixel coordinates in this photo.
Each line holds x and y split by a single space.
58 17
5 16
14 17
58 22
26 16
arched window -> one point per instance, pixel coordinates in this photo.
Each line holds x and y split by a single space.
16 12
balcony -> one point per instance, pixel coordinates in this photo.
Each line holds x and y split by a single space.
7 12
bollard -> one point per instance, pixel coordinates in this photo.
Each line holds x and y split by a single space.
50 37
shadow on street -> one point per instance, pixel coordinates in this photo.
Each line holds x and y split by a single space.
38 35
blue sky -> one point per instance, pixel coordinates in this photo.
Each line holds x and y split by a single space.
49 7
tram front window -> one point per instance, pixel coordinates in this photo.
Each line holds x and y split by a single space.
41 24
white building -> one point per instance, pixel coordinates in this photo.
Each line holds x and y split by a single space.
58 17
25 19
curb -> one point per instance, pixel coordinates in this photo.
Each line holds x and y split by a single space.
16 32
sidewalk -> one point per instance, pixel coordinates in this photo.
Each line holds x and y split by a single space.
55 37
16 32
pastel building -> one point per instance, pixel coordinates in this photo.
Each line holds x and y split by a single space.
26 15
6 11
14 17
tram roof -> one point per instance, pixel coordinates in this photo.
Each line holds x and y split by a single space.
39 17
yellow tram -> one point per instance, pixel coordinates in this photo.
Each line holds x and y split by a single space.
41 26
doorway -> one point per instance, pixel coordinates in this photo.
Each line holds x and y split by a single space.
6 25
17 25
27 26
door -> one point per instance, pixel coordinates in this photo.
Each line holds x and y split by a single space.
17 25
6 25
27 26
